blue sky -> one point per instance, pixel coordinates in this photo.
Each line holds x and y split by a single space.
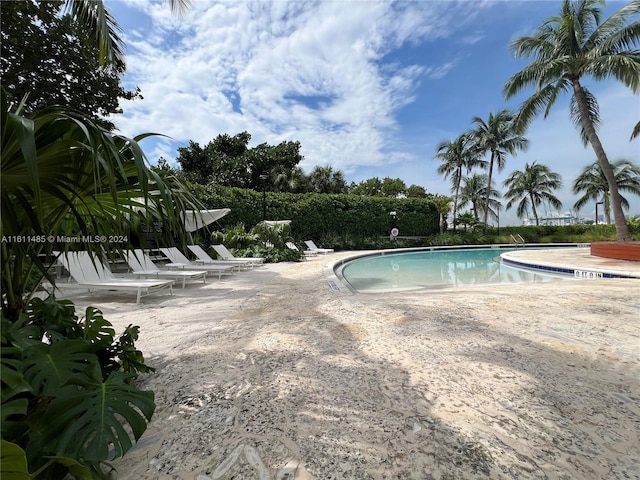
367 87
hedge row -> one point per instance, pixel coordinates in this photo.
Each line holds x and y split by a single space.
323 216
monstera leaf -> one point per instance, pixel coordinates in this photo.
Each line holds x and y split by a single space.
85 419
97 330
13 462
49 367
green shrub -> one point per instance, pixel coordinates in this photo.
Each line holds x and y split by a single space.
322 217
67 390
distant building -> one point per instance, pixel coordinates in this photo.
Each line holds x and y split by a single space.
557 218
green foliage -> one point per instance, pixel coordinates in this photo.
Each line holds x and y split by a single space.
530 187
228 161
263 240
55 61
577 43
322 217
64 175
236 238
387 187
68 400
276 236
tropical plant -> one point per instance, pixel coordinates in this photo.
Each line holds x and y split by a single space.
593 185
274 235
100 23
456 156
568 47
67 392
327 180
474 192
499 136
291 180
236 238
443 204
65 177
467 219
530 187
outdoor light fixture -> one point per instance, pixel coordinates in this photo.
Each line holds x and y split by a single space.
598 203
264 177
394 230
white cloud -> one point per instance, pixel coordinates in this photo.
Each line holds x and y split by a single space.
271 58
326 74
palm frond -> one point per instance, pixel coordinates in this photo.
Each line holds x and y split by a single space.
636 131
593 115
97 18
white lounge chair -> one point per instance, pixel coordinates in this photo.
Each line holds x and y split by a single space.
307 253
89 271
142 266
313 248
178 261
227 255
205 259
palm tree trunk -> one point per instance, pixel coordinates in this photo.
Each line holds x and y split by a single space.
455 199
486 202
535 212
607 207
622 230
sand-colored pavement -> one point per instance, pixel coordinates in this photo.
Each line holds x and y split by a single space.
276 373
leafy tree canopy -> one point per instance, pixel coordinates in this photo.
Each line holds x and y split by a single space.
228 161
387 187
416 191
48 55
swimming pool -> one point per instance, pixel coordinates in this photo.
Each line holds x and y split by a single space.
434 268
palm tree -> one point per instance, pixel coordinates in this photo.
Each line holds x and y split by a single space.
291 180
593 184
531 187
500 137
443 204
327 180
567 47
474 192
456 156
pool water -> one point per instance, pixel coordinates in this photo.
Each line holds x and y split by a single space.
435 269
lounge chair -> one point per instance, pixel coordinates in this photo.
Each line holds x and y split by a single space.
307 253
142 266
205 259
178 261
91 273
313 248
227 255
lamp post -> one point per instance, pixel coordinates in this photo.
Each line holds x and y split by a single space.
598 203
264 177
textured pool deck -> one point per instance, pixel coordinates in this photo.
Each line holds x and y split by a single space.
277 373
577 259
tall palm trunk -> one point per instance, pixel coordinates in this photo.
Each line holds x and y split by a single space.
455 200
535 212
486 201
607 207
622 229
